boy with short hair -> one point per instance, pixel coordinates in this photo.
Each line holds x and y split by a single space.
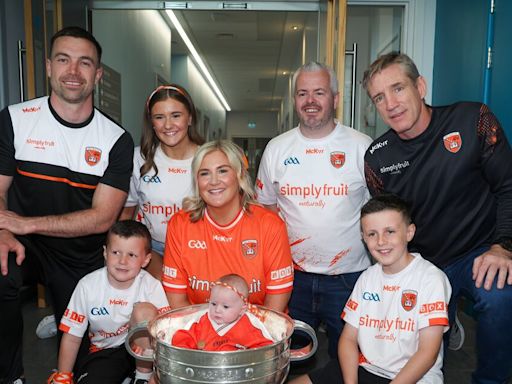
102 304
397 313
226 325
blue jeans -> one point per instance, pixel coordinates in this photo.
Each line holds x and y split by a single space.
317 298
157 246
494 311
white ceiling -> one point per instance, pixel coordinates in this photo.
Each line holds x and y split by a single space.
247 52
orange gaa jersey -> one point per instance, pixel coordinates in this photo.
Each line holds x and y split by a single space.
254 246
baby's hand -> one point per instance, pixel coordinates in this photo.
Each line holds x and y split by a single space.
60 378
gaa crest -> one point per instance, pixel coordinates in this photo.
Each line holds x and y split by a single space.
250 248
409 299
92 155
337 159
452 142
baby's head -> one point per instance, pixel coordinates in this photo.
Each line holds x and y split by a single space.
228 299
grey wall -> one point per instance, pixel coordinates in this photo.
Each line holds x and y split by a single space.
137 44
212 116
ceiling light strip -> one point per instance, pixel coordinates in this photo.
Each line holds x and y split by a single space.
197 58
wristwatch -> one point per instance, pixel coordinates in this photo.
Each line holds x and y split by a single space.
505 243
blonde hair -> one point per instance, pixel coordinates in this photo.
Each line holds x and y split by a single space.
194 204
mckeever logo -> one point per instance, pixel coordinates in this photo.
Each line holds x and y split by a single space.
31 109
179 171
222 239
395 168
291 160
378 146
314 151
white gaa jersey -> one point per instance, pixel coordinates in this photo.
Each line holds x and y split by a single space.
158 197
107 310
319 188
390 310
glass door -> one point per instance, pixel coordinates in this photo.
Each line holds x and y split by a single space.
371 31
42 20
253 148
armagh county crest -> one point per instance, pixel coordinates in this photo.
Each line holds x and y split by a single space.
409 299
250 248
337 159
92 155
453 142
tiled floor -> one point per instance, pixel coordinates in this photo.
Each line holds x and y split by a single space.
41 355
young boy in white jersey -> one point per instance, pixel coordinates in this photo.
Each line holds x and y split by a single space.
397 314
102 305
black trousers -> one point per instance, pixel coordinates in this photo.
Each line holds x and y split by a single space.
60 278
108 366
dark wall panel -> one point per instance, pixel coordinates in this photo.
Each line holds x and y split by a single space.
459 50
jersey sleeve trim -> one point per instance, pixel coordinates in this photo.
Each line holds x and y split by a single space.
119 170
174 287
272 289
438 321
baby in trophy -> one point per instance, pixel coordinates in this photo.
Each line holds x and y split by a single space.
227 325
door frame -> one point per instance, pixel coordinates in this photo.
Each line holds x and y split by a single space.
55 13
418 35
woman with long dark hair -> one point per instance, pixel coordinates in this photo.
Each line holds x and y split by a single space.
162 164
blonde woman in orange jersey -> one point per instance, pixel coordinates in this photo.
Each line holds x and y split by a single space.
221 230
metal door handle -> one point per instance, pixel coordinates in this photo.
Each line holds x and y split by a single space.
21 51
353 53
